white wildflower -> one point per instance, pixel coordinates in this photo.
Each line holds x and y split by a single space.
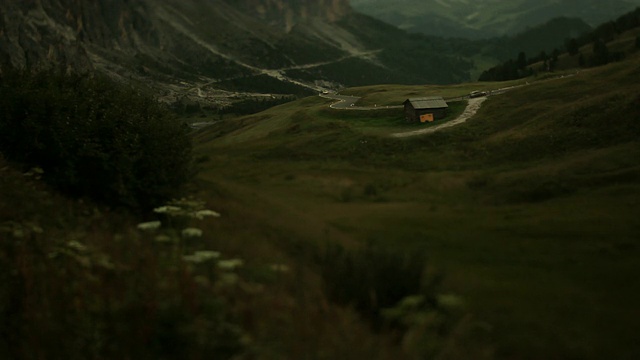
230 264
279 268
103 261
36 172
191 232
164 238
167 209
32 227
207 254
450 301
201 256
204 213
77 246
149 226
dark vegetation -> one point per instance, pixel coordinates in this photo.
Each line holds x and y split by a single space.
388 119
263 84
372 280
530 207
595 40
408 58
250 105
92 137
255 105
437 60
80 281
534 40
532 199
303 50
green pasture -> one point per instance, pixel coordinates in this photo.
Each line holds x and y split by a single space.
389 95
529 209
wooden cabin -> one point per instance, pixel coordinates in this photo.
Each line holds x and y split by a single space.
426 109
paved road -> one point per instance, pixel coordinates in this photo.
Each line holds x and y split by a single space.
202 125
344 102
469 111
349 103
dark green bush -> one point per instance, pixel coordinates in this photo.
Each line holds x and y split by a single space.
373 279
93 137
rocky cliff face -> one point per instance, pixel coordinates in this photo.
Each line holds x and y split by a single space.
208 50
169 43
34 33
288 13
37 33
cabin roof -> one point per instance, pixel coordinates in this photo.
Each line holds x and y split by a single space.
431 102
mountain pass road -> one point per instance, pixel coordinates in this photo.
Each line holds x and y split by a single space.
349 103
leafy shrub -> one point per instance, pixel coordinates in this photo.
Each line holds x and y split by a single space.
72 288
371 279
93 137
394 292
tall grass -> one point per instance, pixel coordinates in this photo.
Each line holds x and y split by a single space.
527 207
79 282
94 137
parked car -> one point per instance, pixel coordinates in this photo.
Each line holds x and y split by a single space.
475 94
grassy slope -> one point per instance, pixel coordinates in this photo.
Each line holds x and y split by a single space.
79 280
530 208
383 95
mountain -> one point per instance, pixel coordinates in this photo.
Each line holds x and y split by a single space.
545 37
610 42
289 13
530 207
208 51
548 35
487 18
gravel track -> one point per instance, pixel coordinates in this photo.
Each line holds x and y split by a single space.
472 109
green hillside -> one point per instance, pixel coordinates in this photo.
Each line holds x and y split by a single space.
530 209
609 42
511 236
487 18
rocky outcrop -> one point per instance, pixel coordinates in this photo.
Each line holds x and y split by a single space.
207 50
45 33
223 38
169 42
288 13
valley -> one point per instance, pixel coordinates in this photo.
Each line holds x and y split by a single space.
528 208
216 54
237 179
489 18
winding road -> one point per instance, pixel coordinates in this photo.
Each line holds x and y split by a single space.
471 109
348 103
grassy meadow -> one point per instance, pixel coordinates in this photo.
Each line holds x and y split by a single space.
307 230
528 210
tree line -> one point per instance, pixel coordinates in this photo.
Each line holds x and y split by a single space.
93 137
601 55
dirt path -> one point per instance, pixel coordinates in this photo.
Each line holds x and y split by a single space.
472 108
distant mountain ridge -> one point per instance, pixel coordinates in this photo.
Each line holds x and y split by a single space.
487 18
288 13
219 52
210 50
